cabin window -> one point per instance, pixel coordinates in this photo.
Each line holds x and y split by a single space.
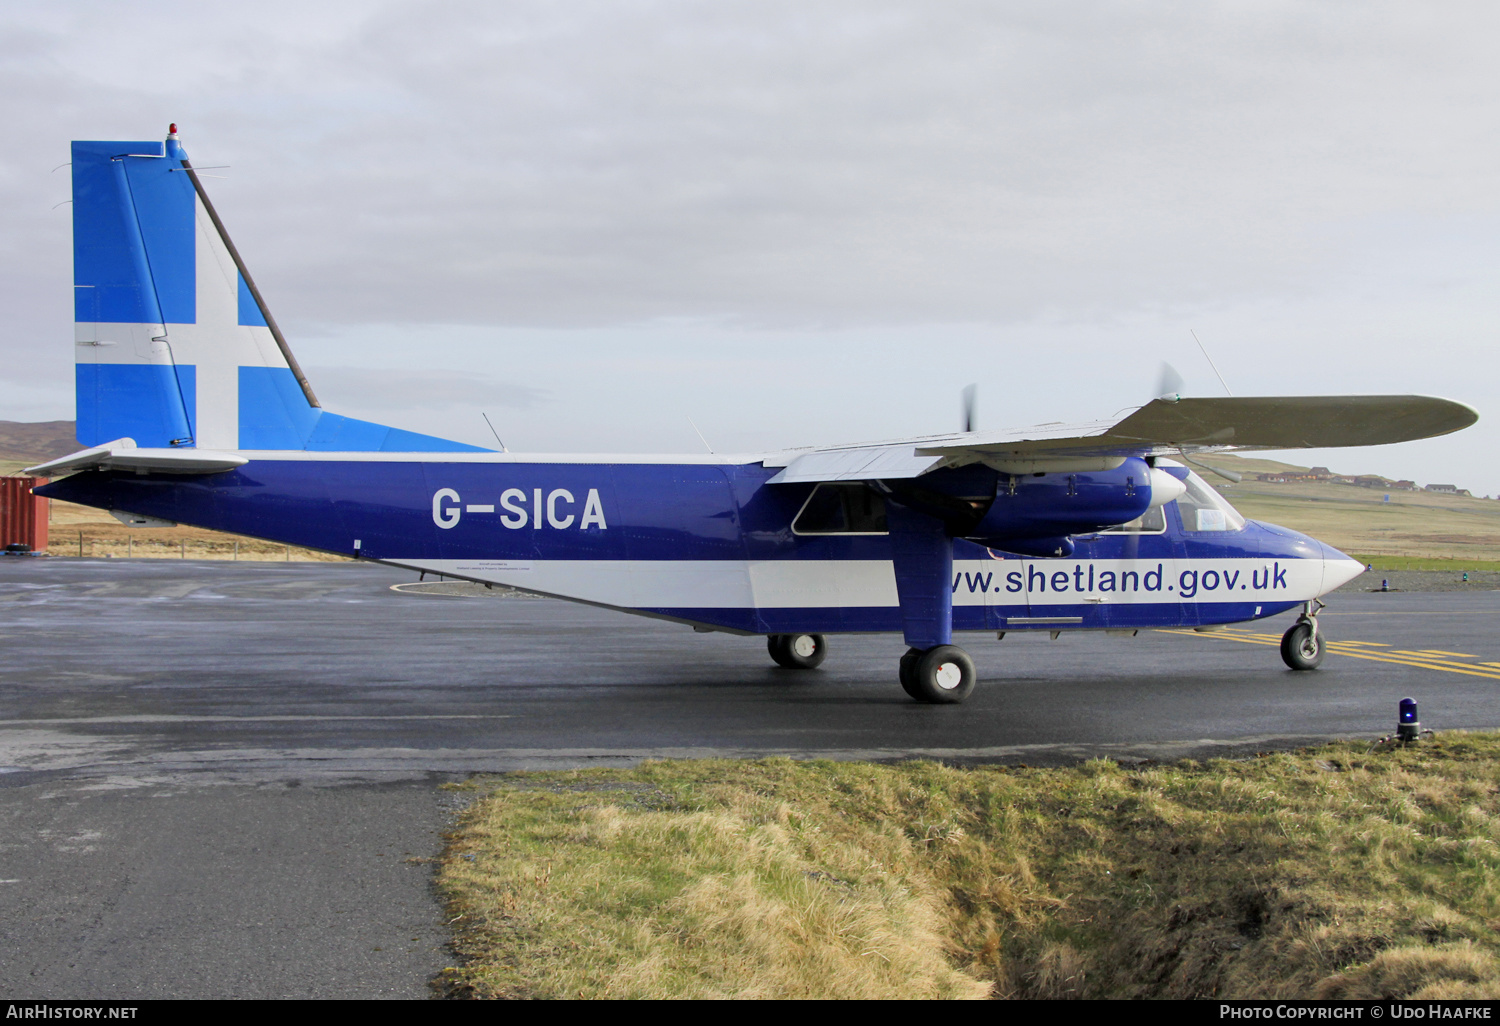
1204 509
1153 521
853 508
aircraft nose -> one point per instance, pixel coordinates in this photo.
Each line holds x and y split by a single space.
1338 569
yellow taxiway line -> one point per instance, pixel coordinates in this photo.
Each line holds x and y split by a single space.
1423 659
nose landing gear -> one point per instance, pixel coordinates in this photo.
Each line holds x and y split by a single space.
1302 644
943 675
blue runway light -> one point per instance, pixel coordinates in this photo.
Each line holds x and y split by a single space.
1407 724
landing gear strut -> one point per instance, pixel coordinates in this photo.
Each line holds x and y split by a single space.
797 651
943 675
1302 644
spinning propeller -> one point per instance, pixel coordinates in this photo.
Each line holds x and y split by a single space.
1168 383
1169 389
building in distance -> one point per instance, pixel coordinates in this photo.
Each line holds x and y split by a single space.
1322 475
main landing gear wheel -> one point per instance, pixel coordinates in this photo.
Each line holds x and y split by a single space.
797 651
941 676
907 662
1302 646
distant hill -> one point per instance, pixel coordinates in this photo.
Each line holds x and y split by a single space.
37 443
1251 467
1369 521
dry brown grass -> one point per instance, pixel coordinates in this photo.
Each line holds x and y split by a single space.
1340 872
95 540
75 530
590 894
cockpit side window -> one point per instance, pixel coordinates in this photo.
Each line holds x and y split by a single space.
1153 521
852 508
1204 509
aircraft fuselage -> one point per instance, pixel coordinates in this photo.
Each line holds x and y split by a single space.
707 541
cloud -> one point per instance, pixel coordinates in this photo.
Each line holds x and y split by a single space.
1075 184
783 163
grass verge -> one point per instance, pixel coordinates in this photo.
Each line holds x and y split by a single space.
1456 565
1335 872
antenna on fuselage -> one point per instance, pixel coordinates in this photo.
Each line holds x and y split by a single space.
971 405
1210 360
1169 387
700 437
486 417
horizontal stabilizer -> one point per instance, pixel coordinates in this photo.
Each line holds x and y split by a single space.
122 454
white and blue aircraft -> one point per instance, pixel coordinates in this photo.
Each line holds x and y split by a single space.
194 410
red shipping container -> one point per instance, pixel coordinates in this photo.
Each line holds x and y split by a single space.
23 516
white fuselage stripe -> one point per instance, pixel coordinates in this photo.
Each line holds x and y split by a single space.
854 583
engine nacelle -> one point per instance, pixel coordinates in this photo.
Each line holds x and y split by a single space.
1054 505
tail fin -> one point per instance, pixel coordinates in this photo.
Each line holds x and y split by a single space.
175 346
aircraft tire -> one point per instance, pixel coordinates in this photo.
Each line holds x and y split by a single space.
776 645
908 661
1301 649
797 651
942 676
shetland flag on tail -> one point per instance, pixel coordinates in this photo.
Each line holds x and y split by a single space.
174 346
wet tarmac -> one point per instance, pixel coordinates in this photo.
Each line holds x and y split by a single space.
222 779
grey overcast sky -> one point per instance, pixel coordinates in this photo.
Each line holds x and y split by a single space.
799 222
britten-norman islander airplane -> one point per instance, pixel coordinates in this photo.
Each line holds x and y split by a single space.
194 411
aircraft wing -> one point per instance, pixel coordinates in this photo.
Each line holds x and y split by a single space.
1161 427
122 454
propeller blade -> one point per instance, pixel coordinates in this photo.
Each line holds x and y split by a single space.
971 393
1169 384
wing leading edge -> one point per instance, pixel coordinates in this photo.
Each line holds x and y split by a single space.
1161 427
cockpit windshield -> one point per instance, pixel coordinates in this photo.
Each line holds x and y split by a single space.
1204 509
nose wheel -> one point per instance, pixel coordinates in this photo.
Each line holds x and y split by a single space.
797 651
1302 644
939 676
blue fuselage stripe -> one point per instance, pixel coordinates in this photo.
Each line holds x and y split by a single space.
415 511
